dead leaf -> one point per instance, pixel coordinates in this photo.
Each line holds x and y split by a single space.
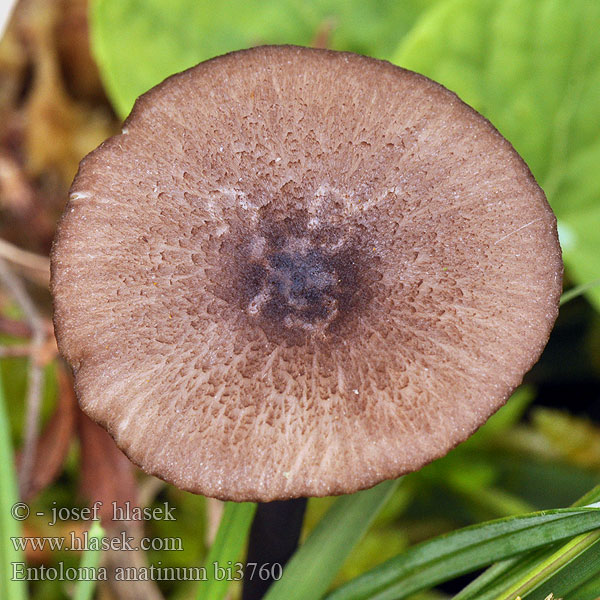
81 74
106 473
51 113
107 476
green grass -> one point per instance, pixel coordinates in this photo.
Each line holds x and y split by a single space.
9 527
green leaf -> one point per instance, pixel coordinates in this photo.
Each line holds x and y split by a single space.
227 547
589 590
137 43
9 527
84 590
311 570
533 68
561 571
566 570
539 571
465 550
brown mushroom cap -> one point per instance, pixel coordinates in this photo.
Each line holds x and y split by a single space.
300 272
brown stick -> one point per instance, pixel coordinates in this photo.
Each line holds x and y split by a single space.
33 266
19 350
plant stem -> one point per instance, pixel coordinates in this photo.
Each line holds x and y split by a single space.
273 539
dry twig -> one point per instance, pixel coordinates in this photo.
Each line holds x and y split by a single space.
33 266
18 350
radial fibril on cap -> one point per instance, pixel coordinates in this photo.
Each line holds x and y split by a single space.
301 272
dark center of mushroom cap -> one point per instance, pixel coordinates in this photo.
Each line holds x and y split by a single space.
295 286
296 279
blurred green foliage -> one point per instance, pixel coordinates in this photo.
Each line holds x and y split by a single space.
533 68
140 42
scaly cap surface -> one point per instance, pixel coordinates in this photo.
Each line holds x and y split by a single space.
300 272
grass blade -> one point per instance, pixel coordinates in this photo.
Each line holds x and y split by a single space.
578 290
503 574
227 547
9 527
560 570
565 571
313 567
84 589
465 550
526 572
589 590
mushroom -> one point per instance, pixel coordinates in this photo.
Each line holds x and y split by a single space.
300 272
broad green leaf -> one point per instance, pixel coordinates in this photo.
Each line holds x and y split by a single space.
137 43
9 527
465 550
314 565
533 68
84 590
227 547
